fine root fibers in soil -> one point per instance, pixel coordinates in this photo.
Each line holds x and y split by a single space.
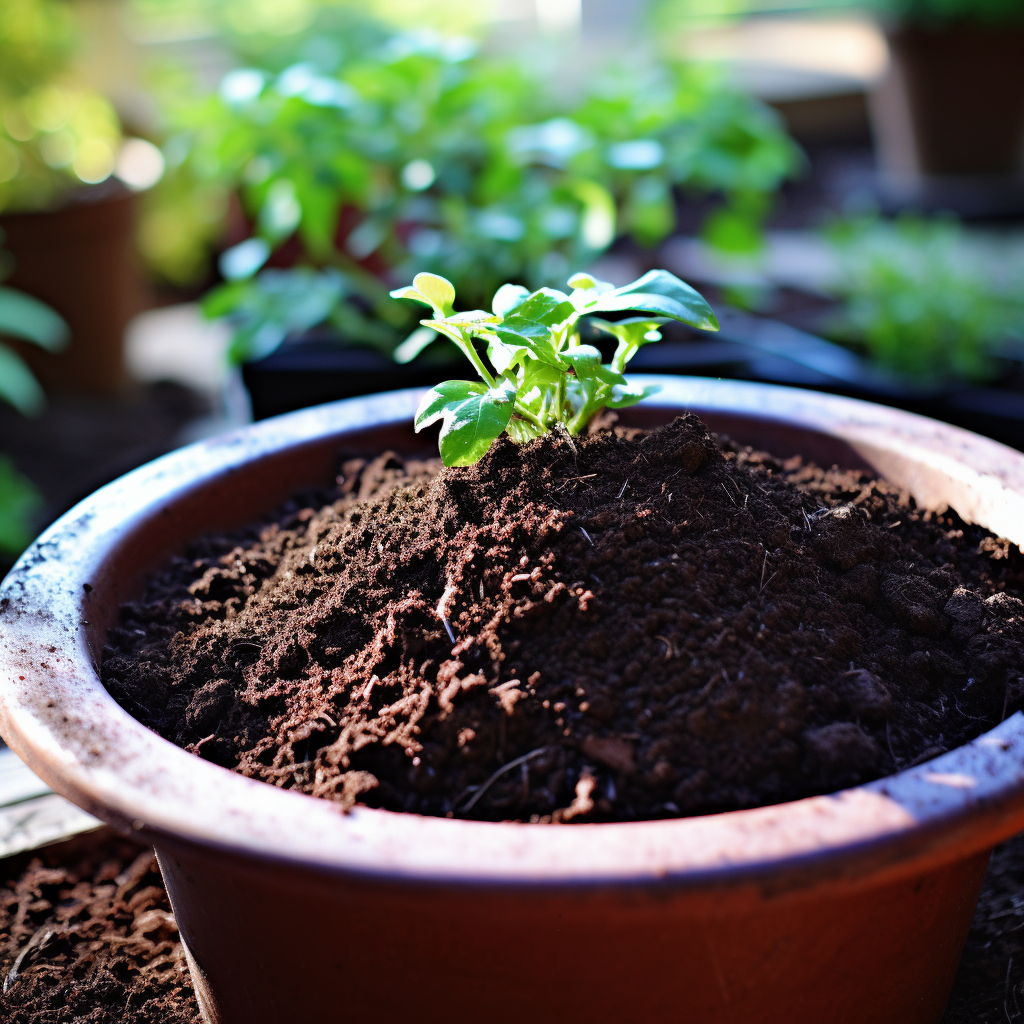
620 626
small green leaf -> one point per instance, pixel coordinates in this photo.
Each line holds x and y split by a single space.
632 333
409 349
519 333
442 395
625 395
473 417
439 291
21 316
19 501
507 297
539 375
586 361
547 306
661 293
18 386
408 292
582 281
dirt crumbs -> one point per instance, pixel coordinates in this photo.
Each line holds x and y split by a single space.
989 986
617 627
90 938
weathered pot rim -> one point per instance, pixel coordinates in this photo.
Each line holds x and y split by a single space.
57 716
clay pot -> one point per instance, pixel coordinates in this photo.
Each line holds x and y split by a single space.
948 118
846 908
80 258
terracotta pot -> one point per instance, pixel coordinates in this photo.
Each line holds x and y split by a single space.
948 118
844 908
80 258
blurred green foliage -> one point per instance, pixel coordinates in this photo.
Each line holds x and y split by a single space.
380 153
55 132
924 301
19 503
27 319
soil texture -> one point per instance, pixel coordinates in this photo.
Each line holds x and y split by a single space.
622 626
87 937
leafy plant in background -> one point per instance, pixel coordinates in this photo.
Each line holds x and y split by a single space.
541 376
408 151
925 301
55 132
26 318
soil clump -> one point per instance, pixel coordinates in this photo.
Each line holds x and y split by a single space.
622 626
87 937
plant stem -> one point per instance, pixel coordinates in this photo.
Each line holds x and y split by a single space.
525 414
473 356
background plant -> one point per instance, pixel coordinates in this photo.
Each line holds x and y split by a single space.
926 300
380 153
55 132
25 318
541 376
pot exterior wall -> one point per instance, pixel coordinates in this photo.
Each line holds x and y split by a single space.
270 945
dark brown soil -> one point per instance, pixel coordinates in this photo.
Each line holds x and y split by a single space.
642 626
88 938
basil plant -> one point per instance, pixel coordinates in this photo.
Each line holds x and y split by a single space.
541 376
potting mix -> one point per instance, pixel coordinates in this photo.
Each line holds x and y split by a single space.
618 626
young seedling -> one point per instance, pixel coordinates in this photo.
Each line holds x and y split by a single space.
540 374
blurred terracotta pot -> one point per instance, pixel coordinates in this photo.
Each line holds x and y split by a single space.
848 908
80 258
948 118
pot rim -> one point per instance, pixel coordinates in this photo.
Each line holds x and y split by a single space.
55 713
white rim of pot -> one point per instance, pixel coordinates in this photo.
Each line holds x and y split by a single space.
57 716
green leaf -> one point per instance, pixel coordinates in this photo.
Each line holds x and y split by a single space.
661 293
519 333
632 333
547 306
21 316
19 501
18 386
408 292
439 291
409 349
473 417
582 281
441 395
625 395
507 297
586 361
539 375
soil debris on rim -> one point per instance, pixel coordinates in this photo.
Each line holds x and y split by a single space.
623 626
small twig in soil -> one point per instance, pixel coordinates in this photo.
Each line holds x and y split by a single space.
501 771
442 610
587 535
888 740
448 629
623 491
30 946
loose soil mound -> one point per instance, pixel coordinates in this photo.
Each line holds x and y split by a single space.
89 937
617 627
